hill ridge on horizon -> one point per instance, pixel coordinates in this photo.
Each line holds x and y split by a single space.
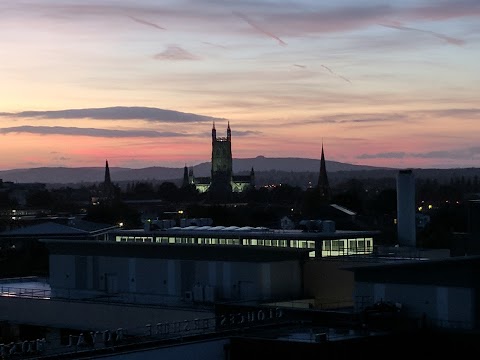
70 175
59 174
257 158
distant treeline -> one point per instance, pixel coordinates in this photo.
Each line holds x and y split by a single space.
372 178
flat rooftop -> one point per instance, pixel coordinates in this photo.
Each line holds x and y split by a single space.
246 232
28 287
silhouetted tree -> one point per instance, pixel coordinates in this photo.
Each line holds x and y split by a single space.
114 213
385 202
6 202
187 193
168 191
39 198
444 221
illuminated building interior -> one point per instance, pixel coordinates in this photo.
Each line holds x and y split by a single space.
340 243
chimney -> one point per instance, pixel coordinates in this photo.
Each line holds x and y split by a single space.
406 226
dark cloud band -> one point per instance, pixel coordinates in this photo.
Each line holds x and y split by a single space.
459 154
75 131
117 113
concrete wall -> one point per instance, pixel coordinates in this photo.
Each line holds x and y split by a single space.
63 275
443 306
285 278
328 283
90 316
174 278
211 350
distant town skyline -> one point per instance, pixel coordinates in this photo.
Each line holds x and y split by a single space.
380 83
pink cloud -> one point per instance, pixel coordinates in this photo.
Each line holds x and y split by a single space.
174 52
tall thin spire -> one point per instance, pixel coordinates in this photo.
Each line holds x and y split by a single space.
107 190
186 178
107 180
229 132
323 185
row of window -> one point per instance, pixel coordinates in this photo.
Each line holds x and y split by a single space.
336 247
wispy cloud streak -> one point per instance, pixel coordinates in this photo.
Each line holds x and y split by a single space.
459 154
446 38
335 74
148 23
214 45
258 28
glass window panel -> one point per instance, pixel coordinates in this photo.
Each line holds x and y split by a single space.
352 245
327 245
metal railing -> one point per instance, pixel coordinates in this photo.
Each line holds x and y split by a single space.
12 287
10 291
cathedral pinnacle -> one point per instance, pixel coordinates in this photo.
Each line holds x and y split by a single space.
214 132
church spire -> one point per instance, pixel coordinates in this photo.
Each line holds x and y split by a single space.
323 185
186 179
107 180
252 178
107 190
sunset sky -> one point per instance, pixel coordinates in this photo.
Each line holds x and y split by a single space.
139 83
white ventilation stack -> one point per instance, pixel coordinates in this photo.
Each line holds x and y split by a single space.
406 226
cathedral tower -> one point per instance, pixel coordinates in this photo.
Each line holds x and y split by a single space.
222 182
221 162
